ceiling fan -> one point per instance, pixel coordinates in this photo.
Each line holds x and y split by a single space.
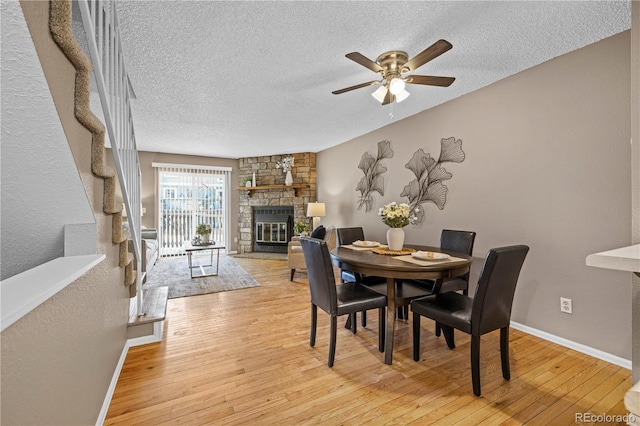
393 67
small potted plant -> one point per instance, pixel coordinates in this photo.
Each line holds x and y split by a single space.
204 231
246 181
301 228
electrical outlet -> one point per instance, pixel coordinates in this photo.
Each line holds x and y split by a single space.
235 239
566 306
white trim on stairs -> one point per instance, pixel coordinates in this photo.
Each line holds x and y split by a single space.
24 292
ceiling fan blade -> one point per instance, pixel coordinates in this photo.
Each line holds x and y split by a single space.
365 62
429 80
359 86
388 98
431 52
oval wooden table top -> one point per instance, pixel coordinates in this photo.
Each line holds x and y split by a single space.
380 265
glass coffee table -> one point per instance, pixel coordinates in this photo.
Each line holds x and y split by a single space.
190 249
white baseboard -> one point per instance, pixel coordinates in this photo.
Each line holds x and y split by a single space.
112 385
143 340
596 353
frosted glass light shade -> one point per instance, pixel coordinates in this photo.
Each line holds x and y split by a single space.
402 96
380 93
396 86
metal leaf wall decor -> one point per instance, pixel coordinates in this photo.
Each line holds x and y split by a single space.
373 169
429 173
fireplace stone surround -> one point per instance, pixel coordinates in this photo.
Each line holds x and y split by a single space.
267 175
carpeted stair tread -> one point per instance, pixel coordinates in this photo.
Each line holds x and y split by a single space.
110 205
130 275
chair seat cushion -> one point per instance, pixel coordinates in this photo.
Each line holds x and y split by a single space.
452 309
354 297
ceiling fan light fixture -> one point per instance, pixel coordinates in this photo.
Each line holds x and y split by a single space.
392 68
402 96
380 93
396 86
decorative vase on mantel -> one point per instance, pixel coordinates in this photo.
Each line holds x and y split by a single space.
288 180
395 239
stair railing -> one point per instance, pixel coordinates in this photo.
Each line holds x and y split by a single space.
102 31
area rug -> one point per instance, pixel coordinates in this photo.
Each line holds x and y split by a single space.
173 272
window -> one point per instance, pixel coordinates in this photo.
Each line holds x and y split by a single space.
189 196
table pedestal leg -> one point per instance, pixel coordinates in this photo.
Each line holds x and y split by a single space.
436 289
391 320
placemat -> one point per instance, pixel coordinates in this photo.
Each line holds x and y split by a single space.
385 251
412 259
352 247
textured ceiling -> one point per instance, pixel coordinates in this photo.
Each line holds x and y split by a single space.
239 79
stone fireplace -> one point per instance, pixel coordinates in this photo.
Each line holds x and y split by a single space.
287 205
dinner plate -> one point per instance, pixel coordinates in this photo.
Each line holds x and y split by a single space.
429 255
366 243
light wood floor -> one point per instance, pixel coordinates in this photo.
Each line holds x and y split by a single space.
243 358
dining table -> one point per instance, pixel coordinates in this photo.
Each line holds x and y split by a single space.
369 261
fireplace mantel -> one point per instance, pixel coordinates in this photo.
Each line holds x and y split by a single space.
295 187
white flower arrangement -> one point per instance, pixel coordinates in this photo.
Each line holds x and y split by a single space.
286 164
395 215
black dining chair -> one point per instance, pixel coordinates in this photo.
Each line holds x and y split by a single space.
346 236
458 241
336 300
488 310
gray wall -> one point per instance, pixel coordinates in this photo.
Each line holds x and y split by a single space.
41 189
547 165
57 361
